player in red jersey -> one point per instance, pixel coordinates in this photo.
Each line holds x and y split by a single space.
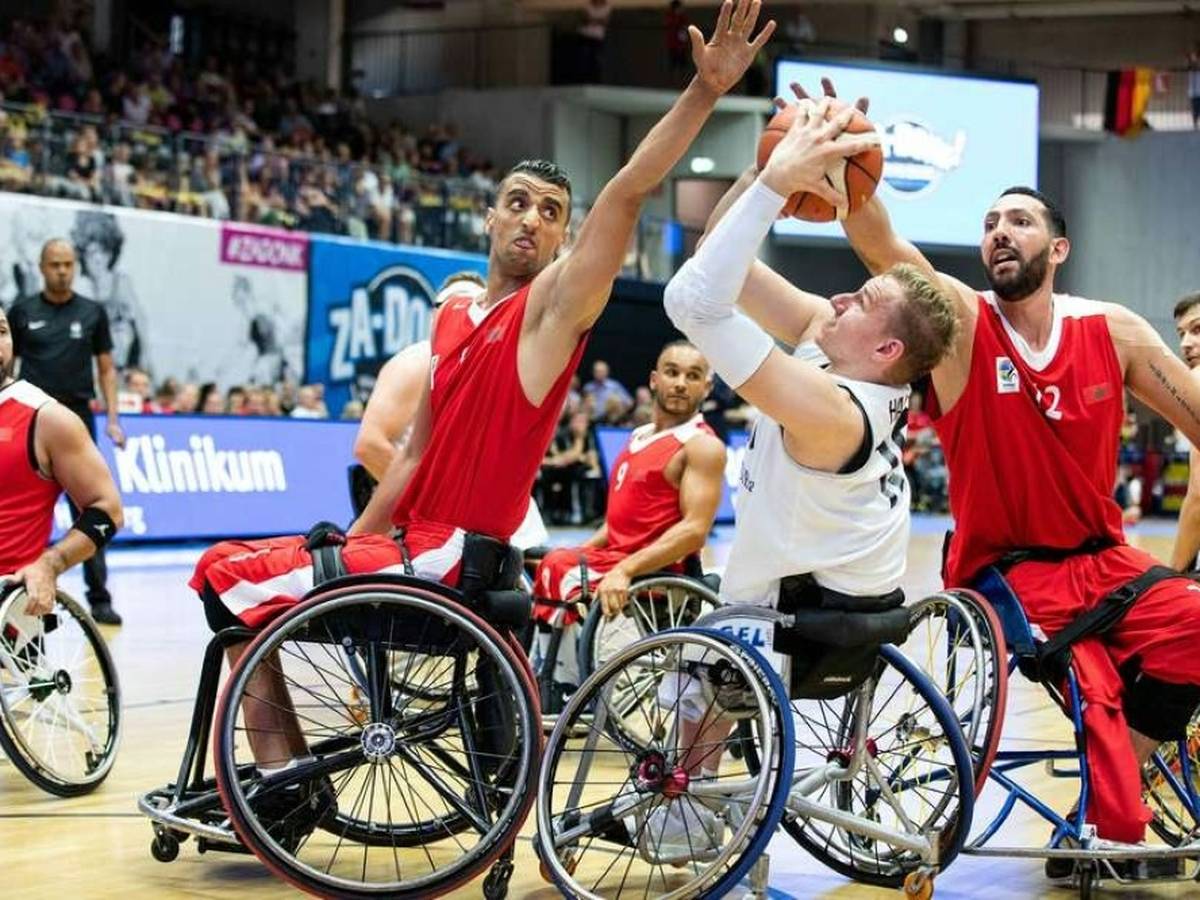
44 450
663 495
1187 537
1028 408
500 370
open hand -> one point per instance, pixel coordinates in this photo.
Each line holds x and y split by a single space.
813 143
721 63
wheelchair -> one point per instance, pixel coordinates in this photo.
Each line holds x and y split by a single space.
657 601
417 793
60 700
843 740
1171 780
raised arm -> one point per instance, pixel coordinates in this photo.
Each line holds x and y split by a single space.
783 310
572 292
66 453
699 499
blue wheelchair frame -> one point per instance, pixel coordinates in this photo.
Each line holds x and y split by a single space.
1018 633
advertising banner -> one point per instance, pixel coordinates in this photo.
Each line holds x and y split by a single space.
207 477
194 299
368 301
610 442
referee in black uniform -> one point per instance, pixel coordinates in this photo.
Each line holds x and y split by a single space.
55 335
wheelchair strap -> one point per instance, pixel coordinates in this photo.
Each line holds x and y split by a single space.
324 543
1047 554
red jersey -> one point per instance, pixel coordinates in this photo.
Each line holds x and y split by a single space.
486 440
642 504
27 498
1032 443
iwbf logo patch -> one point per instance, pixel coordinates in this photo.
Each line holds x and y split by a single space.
1008 381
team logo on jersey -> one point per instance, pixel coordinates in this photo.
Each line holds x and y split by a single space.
76 330
915 158
1008 380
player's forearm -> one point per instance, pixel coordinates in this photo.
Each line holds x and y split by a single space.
108 386
871 236
679 541
377 517
374 451
599 538
665 144
74 548
1187 536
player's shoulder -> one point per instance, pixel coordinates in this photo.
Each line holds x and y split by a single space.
26 394
702 443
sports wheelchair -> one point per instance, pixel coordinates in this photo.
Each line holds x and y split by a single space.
842 738
1171 780
420 730
60 700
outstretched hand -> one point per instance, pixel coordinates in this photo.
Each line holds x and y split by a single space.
812 144
860 104
721 63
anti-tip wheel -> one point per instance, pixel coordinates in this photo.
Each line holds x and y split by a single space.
164 848
918 886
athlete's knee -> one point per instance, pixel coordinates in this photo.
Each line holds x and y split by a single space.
216 613
1157 708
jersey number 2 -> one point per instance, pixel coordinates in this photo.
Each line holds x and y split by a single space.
1053 398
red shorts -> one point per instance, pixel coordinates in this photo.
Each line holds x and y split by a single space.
257 580
558 581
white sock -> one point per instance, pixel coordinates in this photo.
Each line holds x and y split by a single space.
566 668
268 771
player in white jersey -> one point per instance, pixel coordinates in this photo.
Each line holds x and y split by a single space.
822 491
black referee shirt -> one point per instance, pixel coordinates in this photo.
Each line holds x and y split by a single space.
56 343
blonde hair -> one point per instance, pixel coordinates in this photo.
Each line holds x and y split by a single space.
925 321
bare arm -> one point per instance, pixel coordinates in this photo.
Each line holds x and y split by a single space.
1155 374
783 310
65 452
108 387
599 538
392 408
572 292
699 498
1187 536
377 517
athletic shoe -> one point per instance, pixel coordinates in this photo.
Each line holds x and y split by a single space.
105 614
1151 869
290 813
680 832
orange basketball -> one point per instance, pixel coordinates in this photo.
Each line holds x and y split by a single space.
857 177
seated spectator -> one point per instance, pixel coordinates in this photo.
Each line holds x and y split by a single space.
601 387
188 398
134 395
643 407
235 401
570 474
309 405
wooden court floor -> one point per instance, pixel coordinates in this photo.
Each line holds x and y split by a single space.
98 846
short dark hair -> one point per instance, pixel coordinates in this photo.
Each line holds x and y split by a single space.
543 170
1185 304
1055 220
680 342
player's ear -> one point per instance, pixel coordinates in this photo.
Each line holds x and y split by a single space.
489 220
1060 249
891 350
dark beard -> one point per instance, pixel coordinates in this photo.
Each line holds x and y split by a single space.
1028 279
658 401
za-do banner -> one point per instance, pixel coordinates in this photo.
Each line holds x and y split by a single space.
366 302
211 477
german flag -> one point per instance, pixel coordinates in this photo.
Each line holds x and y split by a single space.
1125 100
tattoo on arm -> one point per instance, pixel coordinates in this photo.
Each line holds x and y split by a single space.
1174 392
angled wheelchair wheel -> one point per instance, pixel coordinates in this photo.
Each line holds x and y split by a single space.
417 797
60 701
615 821
656 603
957 641
1171 787
914 776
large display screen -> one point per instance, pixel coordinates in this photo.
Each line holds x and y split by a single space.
610 442
193 477
951 144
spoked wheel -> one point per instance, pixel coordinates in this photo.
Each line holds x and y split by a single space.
914 774
957 641
1171 787
655 604
60 702
416 799
616 822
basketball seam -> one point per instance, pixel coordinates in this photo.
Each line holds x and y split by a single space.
854 162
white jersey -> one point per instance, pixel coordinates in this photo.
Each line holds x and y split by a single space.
848 530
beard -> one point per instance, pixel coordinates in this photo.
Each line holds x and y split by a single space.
1028 278
662 401
6 370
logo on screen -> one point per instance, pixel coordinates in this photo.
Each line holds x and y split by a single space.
380 318
916 158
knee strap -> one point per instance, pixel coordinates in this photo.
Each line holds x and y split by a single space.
1157 709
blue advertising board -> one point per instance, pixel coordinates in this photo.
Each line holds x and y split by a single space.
951 144
610 442
366 302
192 477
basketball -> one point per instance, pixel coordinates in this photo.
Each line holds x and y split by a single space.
857 177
